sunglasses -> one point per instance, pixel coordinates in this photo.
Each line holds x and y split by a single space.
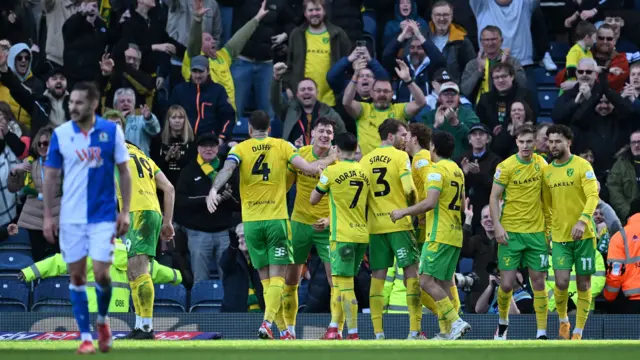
608 38
581 72
43 143
23 57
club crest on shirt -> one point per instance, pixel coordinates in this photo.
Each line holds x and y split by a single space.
325 40
537 167
569 172
103 137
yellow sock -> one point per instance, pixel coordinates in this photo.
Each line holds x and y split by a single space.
504 303
273 298
376 304
541 307
428 302
582 308
349 302
146 294
290 304
455 298
561 297
445 307
413 304
336 305
134 295
279 319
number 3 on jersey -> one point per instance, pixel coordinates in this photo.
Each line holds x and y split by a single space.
381 181
261 168
457 199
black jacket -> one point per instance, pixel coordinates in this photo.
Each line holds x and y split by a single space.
173 168
346 14
191 205
84 45
235 281
493 109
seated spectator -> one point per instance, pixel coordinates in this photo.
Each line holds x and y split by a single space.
606 220
28 177
243 290
208 234
608 58
602 231
18 58
476 79
631 90
521 302
177 148
494 107
542 145
139 129
440 77
624 179
405 12
451 39
206 103
449 116
615 19
300 113
567 104
423 60
504 144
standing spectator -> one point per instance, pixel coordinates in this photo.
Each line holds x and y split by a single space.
300 113
631 90
451 39
11 133
57 13
567 104
405 11
85 37
615 19
440 77
624 179
8 159
314 48
608 58
208 234
585 38
476 79
504 144
28 177
423 60
177 148
347 15
16 22
206 103
139 128
591 10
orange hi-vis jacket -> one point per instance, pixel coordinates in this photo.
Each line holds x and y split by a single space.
623 262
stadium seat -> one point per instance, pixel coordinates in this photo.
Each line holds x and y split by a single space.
544 78
544 120
170 298
559 51
241 130
14 296
52 295
12 261
206 296
547 99
20 241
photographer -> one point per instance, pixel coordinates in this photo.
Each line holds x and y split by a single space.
521 302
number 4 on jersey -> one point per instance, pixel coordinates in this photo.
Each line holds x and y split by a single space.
261 168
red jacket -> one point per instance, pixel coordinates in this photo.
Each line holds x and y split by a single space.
616 82
623 262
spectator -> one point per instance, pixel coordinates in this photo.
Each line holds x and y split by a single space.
11 133
624 179
57 13
613 62
370 115
585 37
542 145
219 62
451 39
206 103
314 48
476 79
440 77
504 144
591 10
177 148
478 165
615 19
208 234
449 116
29 176
347 15
423 60
84 36
405 12
494 107
6 232
242 287
608 217
8 159
18 58
299 114
602 232
567 104
16 22
631 90
139 129
521 302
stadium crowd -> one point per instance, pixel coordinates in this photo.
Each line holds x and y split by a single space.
184 78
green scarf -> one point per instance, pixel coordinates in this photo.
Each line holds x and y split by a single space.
209 168
29 186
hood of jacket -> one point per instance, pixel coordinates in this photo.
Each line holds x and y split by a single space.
456 32
413 15
11 60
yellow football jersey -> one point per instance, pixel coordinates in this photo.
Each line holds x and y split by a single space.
571 190
522 183
385 167
444 223
348 186
420 167
263 177
318 63
370 119
143 182
303 211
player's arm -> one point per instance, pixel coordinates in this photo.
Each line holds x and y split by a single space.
408 186
590 189
169 196
422 207
121 154
309 168
225 174
291 177
497 190
321 188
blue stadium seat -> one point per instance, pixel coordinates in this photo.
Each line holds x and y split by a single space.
547 100
544 78
559 51
14 296
12 261
544 120
170 298
241 130
206 296
20 241
52 295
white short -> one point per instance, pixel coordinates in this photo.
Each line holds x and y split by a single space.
95 240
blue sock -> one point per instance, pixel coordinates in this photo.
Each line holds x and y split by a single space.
80 306
103 295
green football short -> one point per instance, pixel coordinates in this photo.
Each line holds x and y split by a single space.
529 249
439 260
346 258
582 253
268 242
384 247
303 236
144 232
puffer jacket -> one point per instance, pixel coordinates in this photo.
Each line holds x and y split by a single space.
458 51
32 213
622 183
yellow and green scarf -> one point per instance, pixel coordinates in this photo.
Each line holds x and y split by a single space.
209 168
484 86
29 186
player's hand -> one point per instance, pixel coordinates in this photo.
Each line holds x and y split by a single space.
321 224
501 235
578 230
122 224
12 229
212 200
397 214
166 232
21 276
49 229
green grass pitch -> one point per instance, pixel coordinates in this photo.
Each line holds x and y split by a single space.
336 350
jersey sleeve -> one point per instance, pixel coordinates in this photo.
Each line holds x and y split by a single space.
120 152
590 189
155 169
289 151
435 179
404 164
235 154
324 184
502 174
54 156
